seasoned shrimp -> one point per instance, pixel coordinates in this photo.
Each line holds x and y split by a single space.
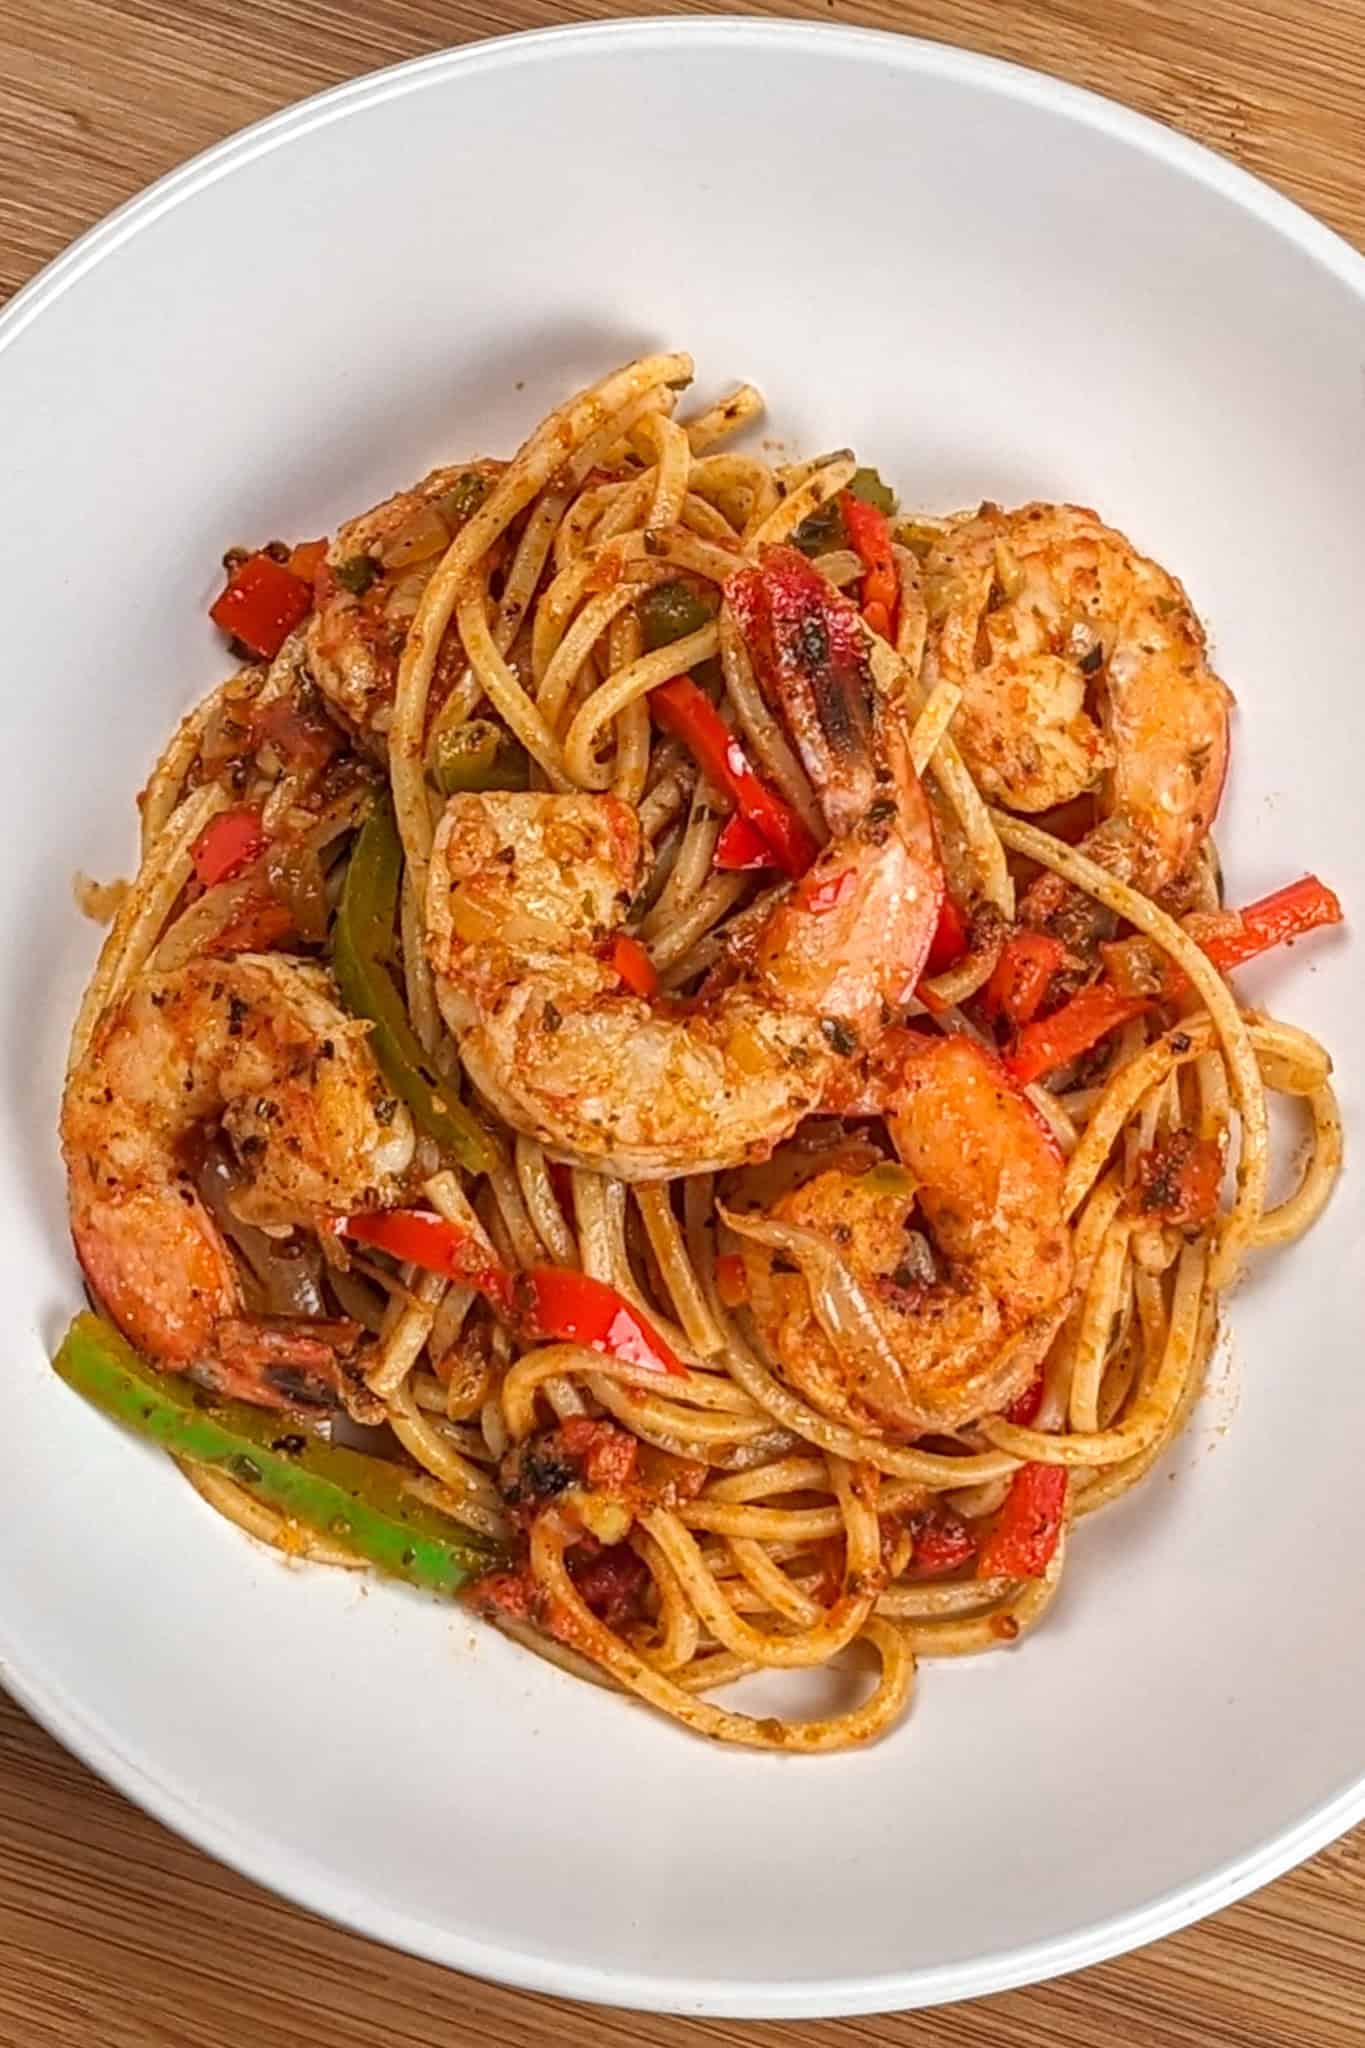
1082 668
528 894
873 1325
258 1046
369 589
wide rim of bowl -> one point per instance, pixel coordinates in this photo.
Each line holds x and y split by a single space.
319 1889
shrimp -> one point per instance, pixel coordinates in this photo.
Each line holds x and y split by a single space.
870 1323
528 894
369 589
258 1046
1035 614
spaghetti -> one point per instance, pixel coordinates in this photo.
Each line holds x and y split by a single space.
583 970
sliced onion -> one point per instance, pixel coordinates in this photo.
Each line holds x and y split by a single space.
196 928
843 1308
423 534
296 878
290 1281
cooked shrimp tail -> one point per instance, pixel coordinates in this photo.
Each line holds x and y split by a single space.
880 878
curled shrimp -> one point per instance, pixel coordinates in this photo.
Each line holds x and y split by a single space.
368 591
257 1046
529 892
1082 668
886 1327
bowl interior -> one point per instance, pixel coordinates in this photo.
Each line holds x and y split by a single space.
1048 298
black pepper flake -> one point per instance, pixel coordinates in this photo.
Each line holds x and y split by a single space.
551 1018
838 1037
238 1011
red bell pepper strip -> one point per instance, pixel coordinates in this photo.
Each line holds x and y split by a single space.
1022 975
1273 920
870 535
227 844
1052 1042
1027 1528
741 847
557 1302
634 965
419 1238
1229 937
543 1301
683 710
262 604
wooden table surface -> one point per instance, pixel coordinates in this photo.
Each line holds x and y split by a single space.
114 1933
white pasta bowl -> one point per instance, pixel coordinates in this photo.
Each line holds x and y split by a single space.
990 285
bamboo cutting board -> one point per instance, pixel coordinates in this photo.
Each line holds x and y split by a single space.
113 1934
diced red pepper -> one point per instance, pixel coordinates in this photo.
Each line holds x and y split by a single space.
419 1238
609 1454
1021 1544
262 604
741 847
1180 1180
943 1542
870 535
686 712
557 1302
1052 1042
612 1583
732 1282
227 844
634 965
1022 976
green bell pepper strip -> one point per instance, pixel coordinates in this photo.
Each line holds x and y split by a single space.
360 1501
362 951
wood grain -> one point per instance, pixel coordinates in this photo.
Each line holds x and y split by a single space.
113 1934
